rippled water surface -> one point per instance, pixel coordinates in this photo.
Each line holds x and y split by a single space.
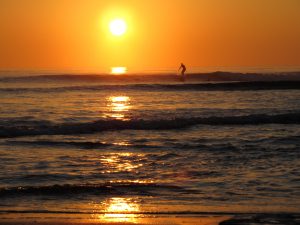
148 148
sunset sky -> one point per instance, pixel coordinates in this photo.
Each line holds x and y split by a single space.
74 34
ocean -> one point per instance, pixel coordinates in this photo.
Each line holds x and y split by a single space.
143 145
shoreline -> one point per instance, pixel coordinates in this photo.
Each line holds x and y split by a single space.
153 219
111 219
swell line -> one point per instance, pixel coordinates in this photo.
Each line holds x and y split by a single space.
41 128
76 189
224 86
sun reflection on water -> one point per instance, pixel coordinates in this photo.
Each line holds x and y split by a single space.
118 106
120 162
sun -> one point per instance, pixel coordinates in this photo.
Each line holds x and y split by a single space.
118 27
118 70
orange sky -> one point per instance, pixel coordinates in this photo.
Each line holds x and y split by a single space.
73 34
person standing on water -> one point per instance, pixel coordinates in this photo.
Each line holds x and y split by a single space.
182 66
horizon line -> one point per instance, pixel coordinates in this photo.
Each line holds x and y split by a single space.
192 70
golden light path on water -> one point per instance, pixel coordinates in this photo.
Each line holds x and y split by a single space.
119 209
117 107
121 162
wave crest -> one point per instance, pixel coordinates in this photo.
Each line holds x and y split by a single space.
76 189
228 86
41 128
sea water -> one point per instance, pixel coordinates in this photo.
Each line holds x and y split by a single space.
88 144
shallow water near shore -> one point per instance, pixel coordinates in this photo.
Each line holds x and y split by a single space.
103 148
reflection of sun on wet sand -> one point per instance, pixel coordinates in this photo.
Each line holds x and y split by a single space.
205 220
127 211
113 211
120 210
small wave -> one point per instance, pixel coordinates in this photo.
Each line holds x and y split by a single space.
78 144
228 86
7 130
97 189
81 144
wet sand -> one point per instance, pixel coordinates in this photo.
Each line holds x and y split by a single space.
264 219
237 219
199 220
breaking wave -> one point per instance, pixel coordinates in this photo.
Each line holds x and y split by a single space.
32 128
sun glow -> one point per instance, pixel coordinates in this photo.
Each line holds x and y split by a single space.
118 27
118 70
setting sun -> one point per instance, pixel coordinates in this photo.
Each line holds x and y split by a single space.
144 112
118 27
118 70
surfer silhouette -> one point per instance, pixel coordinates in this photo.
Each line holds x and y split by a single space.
183 69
